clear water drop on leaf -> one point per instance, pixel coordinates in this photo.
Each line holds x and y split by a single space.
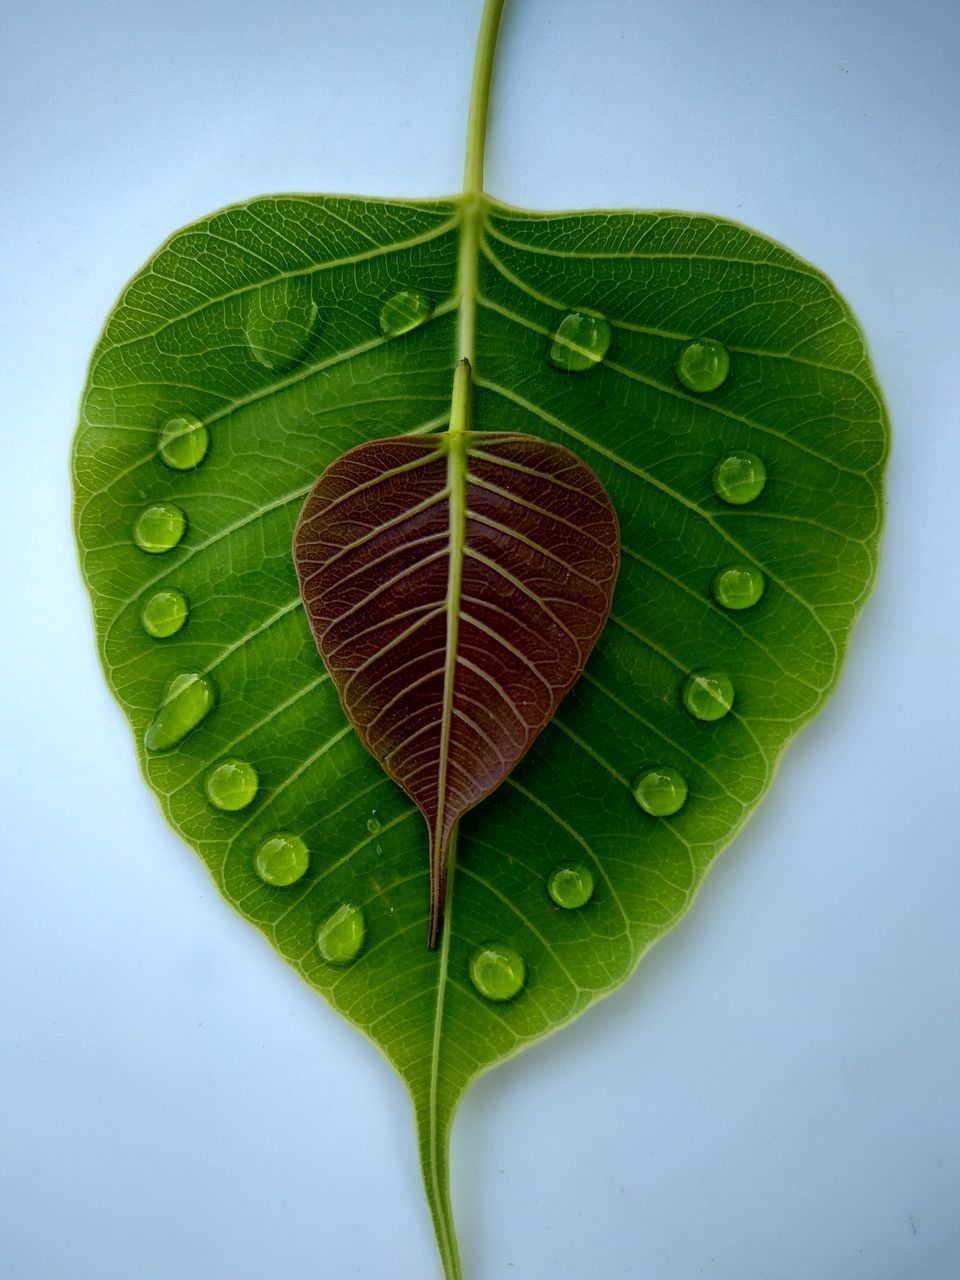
403 312
708 695
232 785
281 859
738 586
183 443
703 364
159 528
165 613
571 885
281 320
580 342
660 791
341 936
373 823
187 701
497 971
739 478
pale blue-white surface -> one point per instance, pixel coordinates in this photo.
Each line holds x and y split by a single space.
775 1093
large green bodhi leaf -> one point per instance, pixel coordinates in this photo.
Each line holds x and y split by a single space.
720 389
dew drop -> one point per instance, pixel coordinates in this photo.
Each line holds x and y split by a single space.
164 613
739 477
281 859
738 586
232 784
403 312
497 971
280 322
708 695
703 364
159 528
373 823
187 701
660 791
571 885
341 936
183 443
580 342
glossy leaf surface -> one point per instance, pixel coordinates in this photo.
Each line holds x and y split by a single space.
188 339
455 587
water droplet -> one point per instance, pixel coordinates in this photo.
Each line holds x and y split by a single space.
341 936
739 478
373 823
183 443
497 971
708 695
159 527
660 791
580 342
281 859
280 321
164 613
187 700
403 312
232 784
738 586
703 364
571 885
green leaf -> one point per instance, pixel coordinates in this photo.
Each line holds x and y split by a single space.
292 328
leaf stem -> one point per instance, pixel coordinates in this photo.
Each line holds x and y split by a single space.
480 97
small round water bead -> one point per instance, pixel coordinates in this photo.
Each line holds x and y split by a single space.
739 478
571 885
737 586
708 695
281 859
183 443
159 528
164 613
341 936
187 701
580 342
703 364
403 312
497 971
231 785
660 791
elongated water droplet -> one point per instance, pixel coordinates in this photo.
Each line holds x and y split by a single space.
232 784
738 586
403 312
281 321
571 886
580 342
281 859
164 613
159 528
373 823
660 791
708 695
341 936
497 971
187 701
739 477
183 443
703 364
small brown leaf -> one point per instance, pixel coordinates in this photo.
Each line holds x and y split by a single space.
455 586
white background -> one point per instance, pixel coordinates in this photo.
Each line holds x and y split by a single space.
775 1094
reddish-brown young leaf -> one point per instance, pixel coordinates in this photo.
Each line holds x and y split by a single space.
455 586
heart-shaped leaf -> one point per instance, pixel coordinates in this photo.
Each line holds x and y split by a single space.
720 389
455 587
